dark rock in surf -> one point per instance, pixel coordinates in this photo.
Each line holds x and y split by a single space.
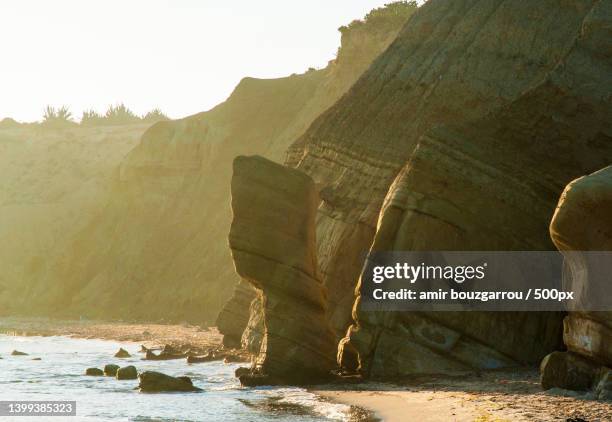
153 382
122 353
110 370
127 373
94 372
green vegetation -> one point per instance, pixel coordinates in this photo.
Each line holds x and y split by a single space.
120 115
155 115
390 16
57 116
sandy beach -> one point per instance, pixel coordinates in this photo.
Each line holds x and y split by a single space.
499 396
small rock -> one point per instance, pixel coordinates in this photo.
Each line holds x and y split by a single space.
127 373
151 381
122 353
36 359
110 370
163 355
94 372
18 353
200 359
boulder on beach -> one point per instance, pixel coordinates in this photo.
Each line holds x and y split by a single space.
127 373
94 372
18 353
110 370
122 353
152 382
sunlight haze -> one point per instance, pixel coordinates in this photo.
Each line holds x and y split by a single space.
182 56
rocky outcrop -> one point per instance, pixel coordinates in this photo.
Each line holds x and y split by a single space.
156 382
272 239
582 222
459 137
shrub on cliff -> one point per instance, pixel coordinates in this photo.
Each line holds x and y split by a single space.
120 115
57 117
155 115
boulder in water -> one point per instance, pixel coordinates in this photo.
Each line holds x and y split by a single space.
127 373
94 372
18 353
152 382
110 370
122 353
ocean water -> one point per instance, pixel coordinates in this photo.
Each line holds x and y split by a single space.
59 375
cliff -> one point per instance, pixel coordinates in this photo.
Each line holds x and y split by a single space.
52 182
157 249
460 136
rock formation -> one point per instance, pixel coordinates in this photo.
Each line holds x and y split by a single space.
583 222
460 136
272 239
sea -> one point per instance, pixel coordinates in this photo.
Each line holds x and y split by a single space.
59 375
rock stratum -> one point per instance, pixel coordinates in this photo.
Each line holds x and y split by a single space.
583 222
460 136
272 239
156 249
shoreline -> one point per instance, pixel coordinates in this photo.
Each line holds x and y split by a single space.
492 396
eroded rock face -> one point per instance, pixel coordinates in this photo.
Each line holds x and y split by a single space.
459 137
272 240
583 222
234 316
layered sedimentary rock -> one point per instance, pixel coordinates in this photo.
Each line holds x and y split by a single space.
157 247
583 222
507 103
272 239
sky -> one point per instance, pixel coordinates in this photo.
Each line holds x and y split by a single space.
183 56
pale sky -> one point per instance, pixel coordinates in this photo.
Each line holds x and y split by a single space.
183 56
